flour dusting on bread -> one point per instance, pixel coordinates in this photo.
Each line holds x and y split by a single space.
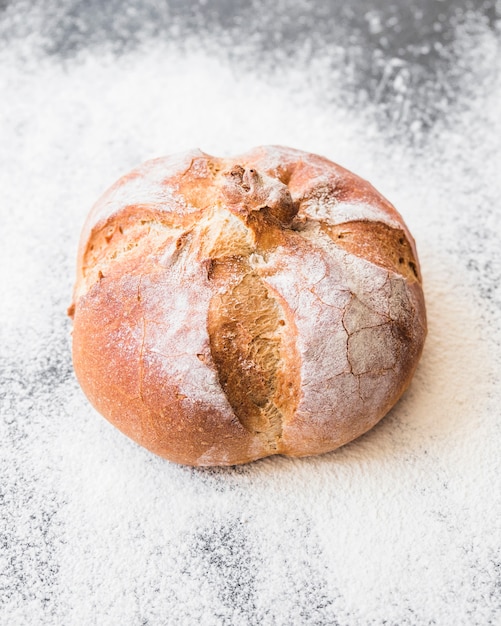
229 309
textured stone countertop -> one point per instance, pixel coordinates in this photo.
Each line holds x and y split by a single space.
401 527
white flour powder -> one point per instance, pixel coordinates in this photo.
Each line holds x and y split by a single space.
400 527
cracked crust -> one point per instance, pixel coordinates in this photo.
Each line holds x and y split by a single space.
229 309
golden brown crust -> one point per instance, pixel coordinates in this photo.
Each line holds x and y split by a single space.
229 309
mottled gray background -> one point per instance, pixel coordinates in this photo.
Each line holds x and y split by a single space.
416 37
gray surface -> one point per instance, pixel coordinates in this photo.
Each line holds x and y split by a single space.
363 36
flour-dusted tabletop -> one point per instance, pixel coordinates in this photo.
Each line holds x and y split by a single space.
401 527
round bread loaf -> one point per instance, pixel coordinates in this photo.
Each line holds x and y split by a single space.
229 309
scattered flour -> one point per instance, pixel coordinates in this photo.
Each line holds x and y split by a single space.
400 527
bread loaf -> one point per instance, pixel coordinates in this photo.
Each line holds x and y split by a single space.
227 309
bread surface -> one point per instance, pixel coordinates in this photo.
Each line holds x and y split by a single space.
229 309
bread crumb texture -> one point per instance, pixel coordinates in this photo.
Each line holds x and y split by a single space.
230 309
